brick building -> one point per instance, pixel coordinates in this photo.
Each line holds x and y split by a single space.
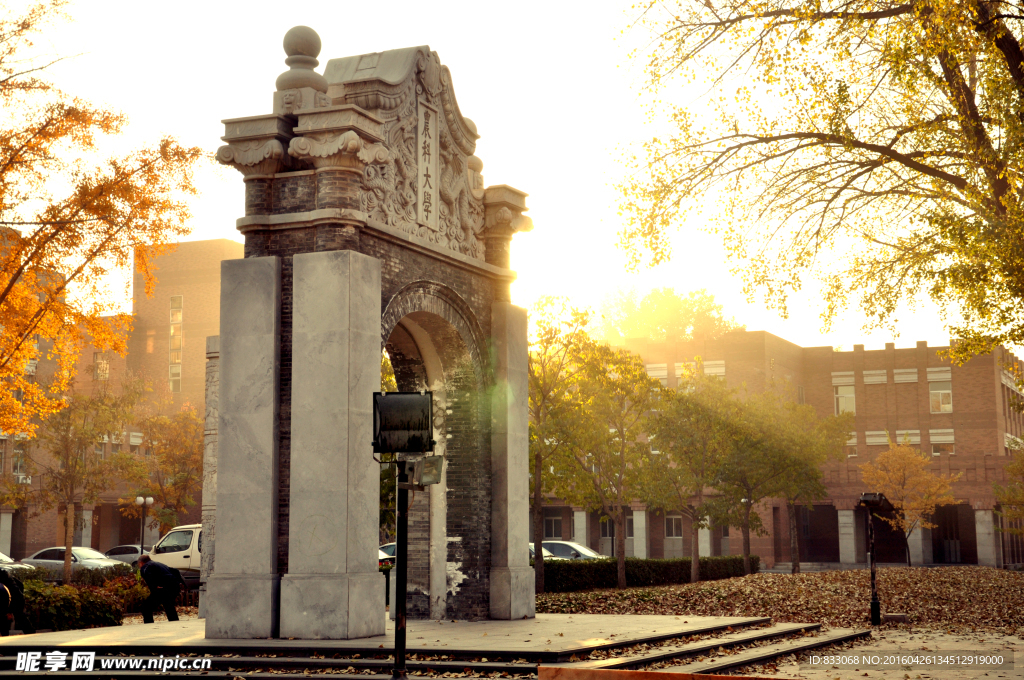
961 415
168 347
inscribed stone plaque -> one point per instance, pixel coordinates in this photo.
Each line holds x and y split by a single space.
427 162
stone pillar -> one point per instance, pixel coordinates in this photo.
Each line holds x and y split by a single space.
87 527
512 579
243 591
332 589
920 542
989 543
847 536
640 533
209 469
579 527
6 523
704 541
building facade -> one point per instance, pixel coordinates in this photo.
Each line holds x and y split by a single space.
168 347
962 416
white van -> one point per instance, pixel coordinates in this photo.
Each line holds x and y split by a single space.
181 548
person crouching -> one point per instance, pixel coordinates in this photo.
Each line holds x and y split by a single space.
164 584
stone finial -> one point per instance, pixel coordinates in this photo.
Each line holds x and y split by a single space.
302 45
300 87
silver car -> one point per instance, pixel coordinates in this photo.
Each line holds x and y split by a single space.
81 558
129 554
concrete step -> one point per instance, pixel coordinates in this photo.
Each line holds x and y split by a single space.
694 648
768 652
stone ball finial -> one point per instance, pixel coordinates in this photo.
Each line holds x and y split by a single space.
302 45
475 164
302 40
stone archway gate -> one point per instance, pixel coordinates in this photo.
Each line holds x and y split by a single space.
366 222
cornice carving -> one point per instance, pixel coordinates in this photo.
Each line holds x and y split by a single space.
255 156
337 150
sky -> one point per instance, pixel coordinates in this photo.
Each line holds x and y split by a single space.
550 85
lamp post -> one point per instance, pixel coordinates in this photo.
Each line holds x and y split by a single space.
147 502
874 501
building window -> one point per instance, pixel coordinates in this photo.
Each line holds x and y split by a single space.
673 527
553 527
18 466
941 396
725 531
607 528
629 527
844 399
175 344
98 450
939 449
101 366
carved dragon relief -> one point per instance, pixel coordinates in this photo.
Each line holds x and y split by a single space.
389 188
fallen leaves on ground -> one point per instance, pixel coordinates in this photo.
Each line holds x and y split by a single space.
953 598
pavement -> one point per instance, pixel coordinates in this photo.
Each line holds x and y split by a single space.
912 642
545 633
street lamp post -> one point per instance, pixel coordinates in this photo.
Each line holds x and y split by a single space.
874 501
147 502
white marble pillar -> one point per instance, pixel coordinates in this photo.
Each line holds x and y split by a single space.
640 533
704 541
989 541
333 590
87 528
847 536
920 542
579 527
6 522
244 589
209 509
512 578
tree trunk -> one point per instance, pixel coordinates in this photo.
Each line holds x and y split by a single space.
906 542
620 547
69 539
794 540
746 541
694 550
538 524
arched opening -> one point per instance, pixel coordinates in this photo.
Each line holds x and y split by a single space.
449 552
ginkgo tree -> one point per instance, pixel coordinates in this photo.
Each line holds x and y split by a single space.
875 146
901 474
69 217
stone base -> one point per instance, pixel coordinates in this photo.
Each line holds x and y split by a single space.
513 593
242 606
332 606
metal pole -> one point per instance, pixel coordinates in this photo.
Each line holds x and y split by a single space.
876 606
401 557
142 530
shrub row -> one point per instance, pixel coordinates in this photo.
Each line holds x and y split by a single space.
68 607
566 576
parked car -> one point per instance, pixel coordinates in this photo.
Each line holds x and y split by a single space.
389 549
7 564
572 551
383 558
181 548
81 558
548 555
129 554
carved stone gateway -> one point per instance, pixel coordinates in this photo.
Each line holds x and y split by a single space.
367 226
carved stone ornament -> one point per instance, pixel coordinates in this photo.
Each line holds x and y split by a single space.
337 150
254 156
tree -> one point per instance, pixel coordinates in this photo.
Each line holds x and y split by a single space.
875 145
901 475
813 442
78 222
1011 496
69 459
172 466
605 443
663 314
556 349
692 435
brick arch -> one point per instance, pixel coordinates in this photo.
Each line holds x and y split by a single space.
434 298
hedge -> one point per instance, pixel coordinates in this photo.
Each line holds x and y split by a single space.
55 607
565 576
